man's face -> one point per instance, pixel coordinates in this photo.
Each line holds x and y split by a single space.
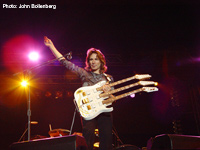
94 63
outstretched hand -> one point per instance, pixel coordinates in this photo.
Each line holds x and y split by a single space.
48 42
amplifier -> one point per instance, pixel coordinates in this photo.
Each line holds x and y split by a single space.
69 142
173 141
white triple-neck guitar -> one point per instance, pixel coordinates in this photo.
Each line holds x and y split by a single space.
92 101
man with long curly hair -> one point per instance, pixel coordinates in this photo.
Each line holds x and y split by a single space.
93 73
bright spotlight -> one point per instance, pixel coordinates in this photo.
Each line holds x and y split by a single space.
24 83
156 83
33 56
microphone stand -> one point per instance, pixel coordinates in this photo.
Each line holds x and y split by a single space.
29 108
116 135
28 71
70 133
26 129
23 135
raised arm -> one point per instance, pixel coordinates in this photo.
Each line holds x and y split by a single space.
51 46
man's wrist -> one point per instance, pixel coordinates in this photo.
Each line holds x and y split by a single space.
52 47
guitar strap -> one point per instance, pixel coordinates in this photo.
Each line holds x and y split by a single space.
107 77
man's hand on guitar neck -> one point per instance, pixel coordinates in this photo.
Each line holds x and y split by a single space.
106 88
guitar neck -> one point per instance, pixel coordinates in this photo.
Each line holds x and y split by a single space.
122 81
118 82
143 76
119 89
111 100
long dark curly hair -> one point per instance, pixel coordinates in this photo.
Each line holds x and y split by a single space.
103 67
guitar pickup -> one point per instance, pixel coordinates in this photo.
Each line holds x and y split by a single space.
86 100
89 107
84 94
83 101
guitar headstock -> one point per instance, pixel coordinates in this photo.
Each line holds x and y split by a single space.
147 83
150 89
142 76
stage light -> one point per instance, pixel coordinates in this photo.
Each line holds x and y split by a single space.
48 94
156 83
96 144
58 94
69 93
24 83
34 56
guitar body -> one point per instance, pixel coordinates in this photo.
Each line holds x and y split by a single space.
89 103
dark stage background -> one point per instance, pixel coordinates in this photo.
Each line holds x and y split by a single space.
161 39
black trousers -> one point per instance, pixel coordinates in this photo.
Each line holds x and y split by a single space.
104 124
